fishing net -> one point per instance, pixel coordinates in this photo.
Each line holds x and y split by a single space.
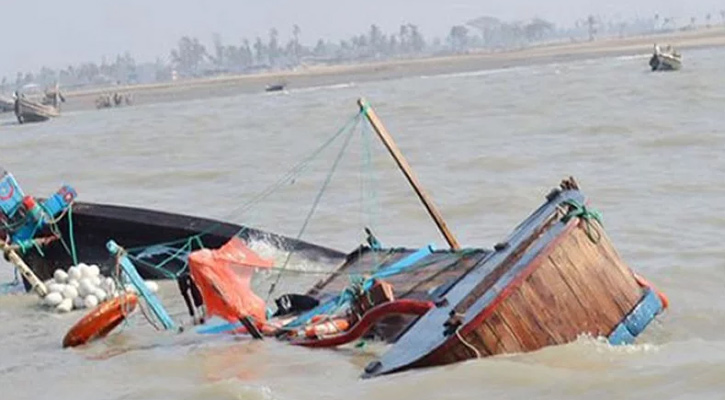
224 278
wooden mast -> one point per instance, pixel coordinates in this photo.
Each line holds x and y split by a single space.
408 172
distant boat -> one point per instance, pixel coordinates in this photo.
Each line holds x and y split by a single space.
31 111
665 60
113 100
27 110
275 88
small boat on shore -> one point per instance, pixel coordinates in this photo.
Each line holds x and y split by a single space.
665 60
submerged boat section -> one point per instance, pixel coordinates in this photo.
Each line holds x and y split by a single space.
555 278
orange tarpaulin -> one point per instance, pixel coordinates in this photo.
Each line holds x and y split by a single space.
224 278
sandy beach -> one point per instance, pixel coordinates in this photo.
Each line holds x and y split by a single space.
372 71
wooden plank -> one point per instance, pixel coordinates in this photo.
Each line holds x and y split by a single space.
589 300
548 320
527 331
553 293
596 321
621 275
569 306
408 172
529 312
490 339
585 268
504 333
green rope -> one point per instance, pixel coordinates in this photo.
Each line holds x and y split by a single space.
26 245
315 203
579 210
288 176
72 235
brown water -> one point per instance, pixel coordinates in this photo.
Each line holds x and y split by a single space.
646 148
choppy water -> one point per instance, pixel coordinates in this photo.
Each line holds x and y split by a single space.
645 147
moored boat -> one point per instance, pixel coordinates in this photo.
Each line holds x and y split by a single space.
30 111
665 60
278 87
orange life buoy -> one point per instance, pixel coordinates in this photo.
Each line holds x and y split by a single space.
101 320
323 326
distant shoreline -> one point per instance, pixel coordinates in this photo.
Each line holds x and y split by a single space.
398 68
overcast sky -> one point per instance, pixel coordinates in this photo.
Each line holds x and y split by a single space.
61 32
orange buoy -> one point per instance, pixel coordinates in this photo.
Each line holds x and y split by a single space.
326 327
101 320
645 283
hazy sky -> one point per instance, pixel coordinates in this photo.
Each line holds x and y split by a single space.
61 32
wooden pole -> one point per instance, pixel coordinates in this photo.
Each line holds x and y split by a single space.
408 172
12 255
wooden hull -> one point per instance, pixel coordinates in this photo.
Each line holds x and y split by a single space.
95 224
665 62
550 282
29 111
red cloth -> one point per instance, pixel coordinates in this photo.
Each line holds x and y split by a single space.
224 278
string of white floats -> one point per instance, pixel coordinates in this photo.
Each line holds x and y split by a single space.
83 286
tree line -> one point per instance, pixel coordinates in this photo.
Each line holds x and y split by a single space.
192 58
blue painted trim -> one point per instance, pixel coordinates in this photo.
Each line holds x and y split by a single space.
400 265
643 313
138 282
620 335
392 269
637 320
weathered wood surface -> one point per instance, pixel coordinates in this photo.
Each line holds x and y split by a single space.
575 287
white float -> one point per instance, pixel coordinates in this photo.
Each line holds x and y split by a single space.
83 286
60 276
65 306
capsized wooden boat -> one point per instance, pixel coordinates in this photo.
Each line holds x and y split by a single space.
95 224
665 60
555 278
